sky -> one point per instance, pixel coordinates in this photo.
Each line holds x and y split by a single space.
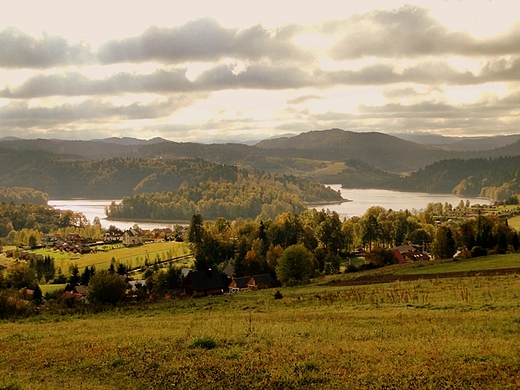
220 71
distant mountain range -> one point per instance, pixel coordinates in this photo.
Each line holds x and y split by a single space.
356 160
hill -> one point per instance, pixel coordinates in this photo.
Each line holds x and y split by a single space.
461 144
63 176
380 150
494 178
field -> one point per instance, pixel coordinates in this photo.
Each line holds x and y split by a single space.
458 333
131 257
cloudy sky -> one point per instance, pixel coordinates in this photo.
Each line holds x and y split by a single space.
207 71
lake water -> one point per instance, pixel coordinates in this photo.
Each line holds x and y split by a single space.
361 200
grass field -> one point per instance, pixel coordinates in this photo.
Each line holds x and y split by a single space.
515 222
132 256
473 264
429 334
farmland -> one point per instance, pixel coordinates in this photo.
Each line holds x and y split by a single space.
436 333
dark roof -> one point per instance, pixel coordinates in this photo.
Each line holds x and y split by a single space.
241 282
205 280
262 280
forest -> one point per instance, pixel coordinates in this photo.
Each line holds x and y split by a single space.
492 178
19 195
247 196
324 241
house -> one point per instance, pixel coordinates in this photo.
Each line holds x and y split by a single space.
239 284
416 256
258 282
112 237
202 283
66 294
132 237
408 254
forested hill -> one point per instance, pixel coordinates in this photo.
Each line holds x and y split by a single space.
21 195
493 178
280 155
377 149
67 177
247 197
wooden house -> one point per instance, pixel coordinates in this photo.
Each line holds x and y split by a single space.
239 284
201 283
258 282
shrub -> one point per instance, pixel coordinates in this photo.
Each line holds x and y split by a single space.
478 251
204 342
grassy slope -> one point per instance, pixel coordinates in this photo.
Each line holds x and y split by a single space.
425 334
476 264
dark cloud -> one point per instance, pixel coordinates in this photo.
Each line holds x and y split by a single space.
255 77
20 50
21 115
266 77
77 84
202 40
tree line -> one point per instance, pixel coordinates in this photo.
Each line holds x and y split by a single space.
325 241
493 178
22 195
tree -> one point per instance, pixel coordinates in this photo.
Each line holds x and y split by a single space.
381 257
74 277
443 246
21 275
371 230
37 295
105 287
295 265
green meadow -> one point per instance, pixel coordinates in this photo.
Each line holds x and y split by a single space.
460 333
130 256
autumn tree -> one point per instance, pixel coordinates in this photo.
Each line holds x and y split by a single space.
295 265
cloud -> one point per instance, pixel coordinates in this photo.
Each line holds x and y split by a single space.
20 50
304 98
78 84
202 40
21 115
410 32
258 76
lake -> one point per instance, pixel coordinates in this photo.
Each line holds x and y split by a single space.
361 200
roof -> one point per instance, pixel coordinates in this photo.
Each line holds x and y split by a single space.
398 255
70 294
404 248
262 280
205 280
241 282
415 255
83 290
